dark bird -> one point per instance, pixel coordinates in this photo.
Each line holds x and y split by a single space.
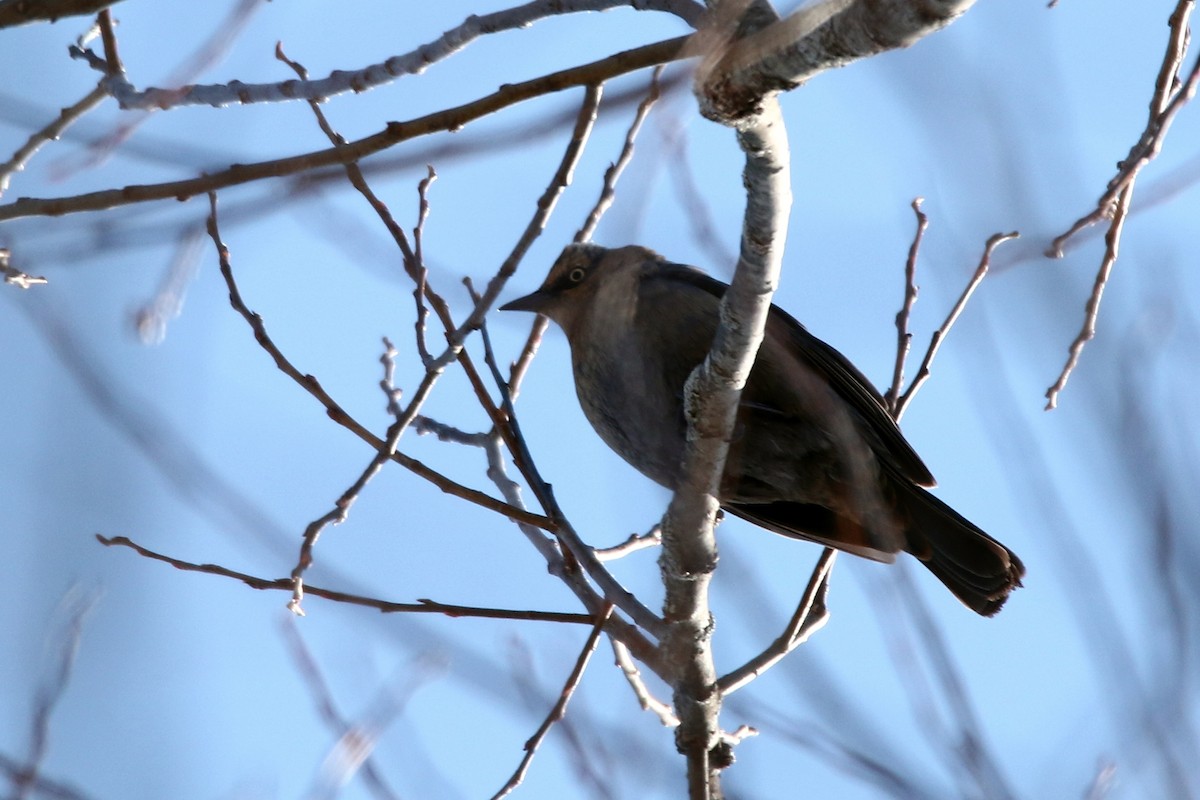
814 455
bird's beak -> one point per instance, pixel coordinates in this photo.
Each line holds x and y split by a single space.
538 302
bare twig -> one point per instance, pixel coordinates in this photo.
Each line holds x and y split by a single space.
224 34
1168 98
516 372
335 412
433 367
613 174
414 62
422 606
560 707
67 117
1091 313
810 616
424 425
396 132
903 337
635 542
645 698
696 209
935 342
385 452
21 12
388 382
967 751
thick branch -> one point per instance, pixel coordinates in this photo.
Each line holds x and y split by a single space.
711 397
815 38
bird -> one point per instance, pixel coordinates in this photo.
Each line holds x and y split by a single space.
814 454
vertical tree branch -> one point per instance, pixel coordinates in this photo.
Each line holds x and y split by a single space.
711 398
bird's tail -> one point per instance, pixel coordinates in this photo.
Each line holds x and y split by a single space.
980 571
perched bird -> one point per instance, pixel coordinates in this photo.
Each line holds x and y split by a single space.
814 454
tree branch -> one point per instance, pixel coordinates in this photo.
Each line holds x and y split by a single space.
834 33
357 81
711 397
445 120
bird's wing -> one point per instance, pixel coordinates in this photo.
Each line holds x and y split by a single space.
844 377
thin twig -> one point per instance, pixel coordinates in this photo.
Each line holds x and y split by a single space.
1091 313
422 606
422 276
67 117
518 369
387 450
434 367
1168 98
560 708
648 702
903 336
445 120
388 382
613 591
810 616
635 542
210 52
152 317
697 211
613 174
335 412
416 61
424 425
939 335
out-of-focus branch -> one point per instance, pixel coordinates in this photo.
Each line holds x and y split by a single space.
326 707
76 607
560 707
733 81
1168 98
445 120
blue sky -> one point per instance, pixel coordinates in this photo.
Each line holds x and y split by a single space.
1010 119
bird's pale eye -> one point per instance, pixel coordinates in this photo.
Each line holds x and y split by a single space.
577 274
